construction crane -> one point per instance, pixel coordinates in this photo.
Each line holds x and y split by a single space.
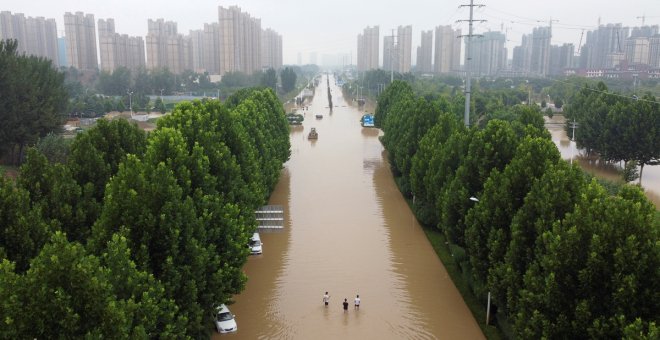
580 44
643 17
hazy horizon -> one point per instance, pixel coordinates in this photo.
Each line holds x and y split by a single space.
332 27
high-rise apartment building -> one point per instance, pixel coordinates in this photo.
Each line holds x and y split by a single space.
637 50
639 47
35 36
196 50
425 53
404 48
210 48
165 47
13 26
540 57
389 53
488 54
367 49
561 58
654 51
447 50
61 49
240 41
80 32
236 43
603 46
533 55
271 50
522 55
119 50
644 31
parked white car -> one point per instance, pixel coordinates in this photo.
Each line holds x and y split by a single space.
224 320
256 247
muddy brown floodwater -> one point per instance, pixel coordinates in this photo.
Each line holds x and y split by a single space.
650 175
347 231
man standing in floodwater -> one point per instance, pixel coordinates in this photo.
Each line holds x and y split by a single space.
326 299
357 302
345 305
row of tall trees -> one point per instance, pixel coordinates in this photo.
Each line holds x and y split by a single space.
616 128
163 82
137 235
562 257
115 87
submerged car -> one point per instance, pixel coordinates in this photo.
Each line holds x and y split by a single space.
256 247
224 320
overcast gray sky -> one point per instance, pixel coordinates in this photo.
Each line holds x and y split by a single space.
332 26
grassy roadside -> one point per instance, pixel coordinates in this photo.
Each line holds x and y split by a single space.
441 248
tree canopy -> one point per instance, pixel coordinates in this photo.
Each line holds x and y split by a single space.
33 100
561 256
136 236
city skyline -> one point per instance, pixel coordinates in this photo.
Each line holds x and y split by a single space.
331 27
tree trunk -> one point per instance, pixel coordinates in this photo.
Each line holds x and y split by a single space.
21 147
13 156
641 171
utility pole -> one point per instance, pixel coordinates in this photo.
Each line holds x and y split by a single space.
573 126
130 101
392 59
468 59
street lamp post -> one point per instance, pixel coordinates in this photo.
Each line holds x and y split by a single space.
476 200
130 102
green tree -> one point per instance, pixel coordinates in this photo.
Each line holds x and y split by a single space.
64 281
54 191
159 105
162 78
269 79
96 154
115 83
22 230
32 102
488 225
425 164
54 147
288 77
644 133
595 271
143 82
389 97
69 293
489 149
549 200
405 126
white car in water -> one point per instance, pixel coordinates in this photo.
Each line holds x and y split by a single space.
256 247
224 320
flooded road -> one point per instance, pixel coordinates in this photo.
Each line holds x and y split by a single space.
347 231
650 176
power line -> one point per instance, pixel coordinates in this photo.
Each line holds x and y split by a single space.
631 97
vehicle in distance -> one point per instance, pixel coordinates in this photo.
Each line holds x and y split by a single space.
224 320
313 134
